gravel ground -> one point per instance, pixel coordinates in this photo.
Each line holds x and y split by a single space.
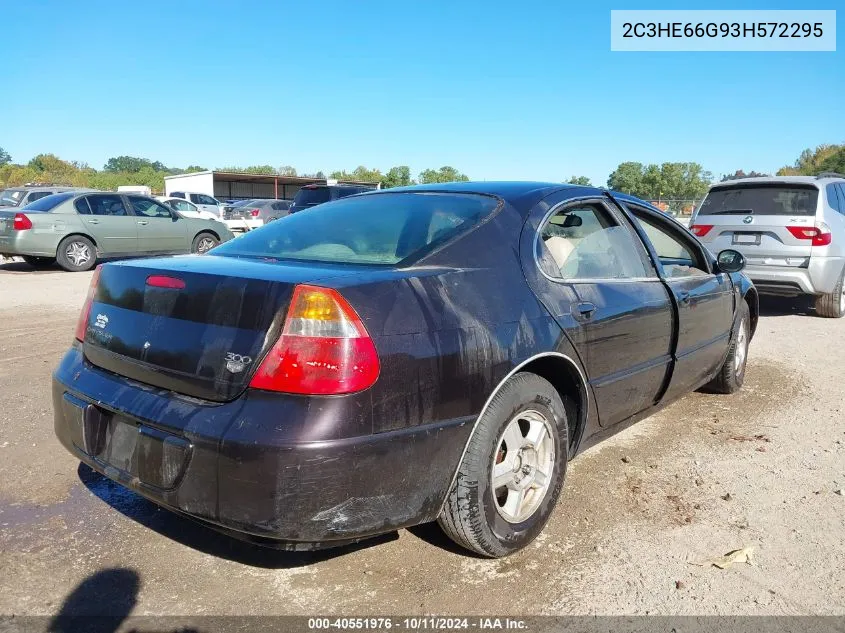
764 469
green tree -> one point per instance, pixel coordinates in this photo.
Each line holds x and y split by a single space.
397 177
627 178
361 173
5 157
811 162
444 174
579 180
739 173
253 169
287 170
129 164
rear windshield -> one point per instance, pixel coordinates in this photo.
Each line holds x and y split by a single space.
49 202
11 197
317 195
774 199
379 229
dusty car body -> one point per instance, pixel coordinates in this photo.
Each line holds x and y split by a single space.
309 393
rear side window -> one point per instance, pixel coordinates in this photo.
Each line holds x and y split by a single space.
177 194
48 202
762 199
280 206
106 205
317 195
37 195
834 199
586 242
149 208
381 229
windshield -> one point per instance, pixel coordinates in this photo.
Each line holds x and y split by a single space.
761 199
374 229
11 197
48 202
312 195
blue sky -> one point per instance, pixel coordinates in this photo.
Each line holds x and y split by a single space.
516 90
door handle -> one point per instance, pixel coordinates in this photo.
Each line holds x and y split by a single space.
683 298
92 221
586 309
143 222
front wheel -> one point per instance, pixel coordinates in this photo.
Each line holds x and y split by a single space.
512 472
39 262
732 374
76 253
203 243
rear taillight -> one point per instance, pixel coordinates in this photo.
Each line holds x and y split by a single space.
701 229
82 324
820 234
21 223
324 348
254 212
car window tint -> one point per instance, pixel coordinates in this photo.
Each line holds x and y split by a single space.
761 199
841 188
82 207
312 195
149 208
380 229
37 195
11 197
586 242
177 194
183 205
201 199
678 257
107 205
833 198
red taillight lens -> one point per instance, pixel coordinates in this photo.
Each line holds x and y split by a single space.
163 281
82 324
324 348
254 212
21 223
701 229
820 235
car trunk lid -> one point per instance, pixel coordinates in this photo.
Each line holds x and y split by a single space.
197 325
763 221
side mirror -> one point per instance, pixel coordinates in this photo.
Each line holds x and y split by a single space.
730 261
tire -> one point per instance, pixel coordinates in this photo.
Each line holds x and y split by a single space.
480 518
832 305
76 254
203 243
732 374
39 262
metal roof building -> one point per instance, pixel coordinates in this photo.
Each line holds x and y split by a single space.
226 185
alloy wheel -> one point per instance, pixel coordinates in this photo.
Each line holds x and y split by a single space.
522 466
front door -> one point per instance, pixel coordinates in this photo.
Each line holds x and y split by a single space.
206 203
110 223
159 230
705 300
602 289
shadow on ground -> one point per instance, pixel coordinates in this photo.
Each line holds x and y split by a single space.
200 537
784 306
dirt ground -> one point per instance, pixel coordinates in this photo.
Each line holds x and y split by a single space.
764 469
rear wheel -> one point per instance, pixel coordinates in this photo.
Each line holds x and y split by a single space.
832 305
203 243
76 253
732 374
39 262
512 473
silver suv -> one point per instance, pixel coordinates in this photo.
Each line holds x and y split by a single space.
791 230
22 196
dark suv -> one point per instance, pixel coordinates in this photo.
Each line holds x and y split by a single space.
312 195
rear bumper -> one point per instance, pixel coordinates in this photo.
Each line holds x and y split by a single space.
241 225
207 461
819 277
30 242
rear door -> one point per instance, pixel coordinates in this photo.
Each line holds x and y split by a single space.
159 230
110 222
599 285
704 299
205 203
770 223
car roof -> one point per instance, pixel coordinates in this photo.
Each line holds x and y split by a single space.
768 180
515 192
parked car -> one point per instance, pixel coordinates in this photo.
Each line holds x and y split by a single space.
254 213
791 230
202 201
312 195
22 196
76 229
187 209
431 352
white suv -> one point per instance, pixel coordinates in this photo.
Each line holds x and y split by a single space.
791 230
